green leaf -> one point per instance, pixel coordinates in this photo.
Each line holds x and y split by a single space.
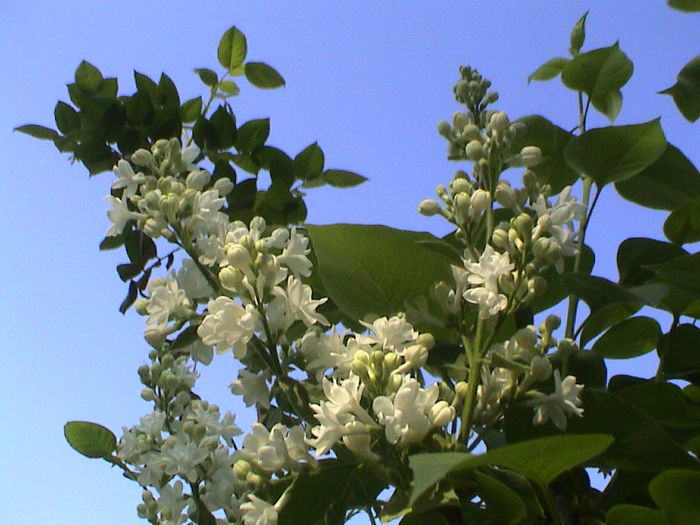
342 178
232 49
686 90
616 153
679 354
38 132
190 110
246 163
67 119
309 162
548 70
540 460
146 85
263 76
168 95
631 338
608 103
224 125
635 253
682 272
552 141
207 76
370 269
229 88
139 109
90 439
88 78
598 72
556 292
677 493
663 402
578 35
668 182
682 226
252 134
634 515
689 6
130 298
503 504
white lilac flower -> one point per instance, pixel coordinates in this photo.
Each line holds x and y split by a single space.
325 351
495 384
294 254
181 457
127 179
228 325
190 279
205 211
490 267
490 303
299 306
253 388
119 215
556 406
219 482
357 440
166 300
389 334
187 157
276 449
406 417
258 512
172 502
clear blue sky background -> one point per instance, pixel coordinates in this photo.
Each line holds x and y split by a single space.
368 81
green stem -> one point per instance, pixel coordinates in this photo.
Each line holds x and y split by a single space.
556 519
473 352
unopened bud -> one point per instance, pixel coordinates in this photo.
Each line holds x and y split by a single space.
505 195
444 129
427 340
461 389
155 335
506 283
391 361
429 207
537 285
197 180
480 200
147 394
441 413
238 256
142 157
529 156
499 121
526 338
523 225
141 306
230 278
566 347
552 322
474 150
224 186
460 120
472 132
460 185
541 368
500 238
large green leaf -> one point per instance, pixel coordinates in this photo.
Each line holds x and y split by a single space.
598 73
38 132
368 269
686 90
342 178
67 119
631 338
616 153
677 493
680 353
309 162
232 49
263 76
540 460
663 402
548 70
552 140
635 515
690 6
252 134
503 504
635 253
682 272
683 225
669 181
90 439
88 78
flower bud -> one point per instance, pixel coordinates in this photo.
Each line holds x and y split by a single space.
506 283
197 179
499 121
155 335
552 322
416 356
474 150
444 129
537 285
541 368
523 225
238 256
427 340
429 207
141 306
460 185
490 97
566 347
505 195
376 358
526 337
142 157
224 186
461 390
541 247
480 200
455 150
461 119
472 132
147 394
254 480
391 361
230 278
529 156
441 413
500 238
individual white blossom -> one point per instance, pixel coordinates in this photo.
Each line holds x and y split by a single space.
258 512
294 254
253 387
389 334
127 179
298 304
490 303
228 325
172 502
167 300
556 406
190 279
119 215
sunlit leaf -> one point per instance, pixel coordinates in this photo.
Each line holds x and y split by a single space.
38 132
232 49
263 76
578 35
548 70
90 439
631 338
677 493
88 78
686 90
252 134
342 178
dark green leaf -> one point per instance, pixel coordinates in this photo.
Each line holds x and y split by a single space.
670 181
683 225
204 134
129 270
139 109
686 90
232 48
190 110
631 338
38 132
617 152
241 199
540 460
556 292
169 97
223 169
146 85
309 162
551 140
548 70
131 296
598 72
185 338
635 515
608 103
112 242
90 439
578 35
690 6
88 78
246 163
677 493
224 125
229 88
96 155
252 134
679 353
663 402
502 503
374 269
682 272
207 76
263 76
342 178
67 119
635 253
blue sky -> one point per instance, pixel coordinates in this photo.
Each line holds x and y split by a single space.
368 81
